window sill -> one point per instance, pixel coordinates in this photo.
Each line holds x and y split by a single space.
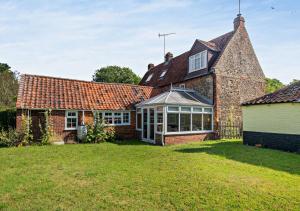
70 129
191 71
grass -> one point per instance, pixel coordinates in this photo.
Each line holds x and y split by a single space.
220 175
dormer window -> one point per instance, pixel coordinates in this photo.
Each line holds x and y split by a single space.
163 74
198 61
149 77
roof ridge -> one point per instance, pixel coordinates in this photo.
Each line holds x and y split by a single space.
68 79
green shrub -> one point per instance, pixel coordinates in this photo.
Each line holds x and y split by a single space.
46 129
98 133
26 131
10 138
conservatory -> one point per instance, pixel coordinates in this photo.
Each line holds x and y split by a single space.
173 115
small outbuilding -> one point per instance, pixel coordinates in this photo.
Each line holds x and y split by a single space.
273 121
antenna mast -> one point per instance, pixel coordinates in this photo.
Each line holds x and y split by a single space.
239 8
164 35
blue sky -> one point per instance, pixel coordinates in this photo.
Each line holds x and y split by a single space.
73 38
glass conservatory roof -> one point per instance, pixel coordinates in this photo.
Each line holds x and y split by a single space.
178 96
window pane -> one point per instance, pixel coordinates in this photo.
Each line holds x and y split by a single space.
197 122
159 128
108 114
209 110
197 109
125 118
139 110
117 120
160 118
117 114
71 114
108 120
173 108
71 123
207 120
173 122
186 109
185 122
139 120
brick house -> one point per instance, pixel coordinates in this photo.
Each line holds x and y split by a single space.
182 99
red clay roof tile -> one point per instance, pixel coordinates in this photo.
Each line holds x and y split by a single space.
42 92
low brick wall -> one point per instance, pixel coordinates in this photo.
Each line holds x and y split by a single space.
180 139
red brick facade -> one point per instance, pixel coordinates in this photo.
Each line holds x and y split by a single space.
180 139
58 121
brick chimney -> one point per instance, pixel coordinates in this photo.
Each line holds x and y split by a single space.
168 57
239 21
150 66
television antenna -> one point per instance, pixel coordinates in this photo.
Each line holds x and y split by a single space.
239 8
164 36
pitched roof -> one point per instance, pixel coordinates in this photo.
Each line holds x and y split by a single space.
178 96
177 68
42 92
287 94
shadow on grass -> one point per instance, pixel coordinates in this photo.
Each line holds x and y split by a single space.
274 159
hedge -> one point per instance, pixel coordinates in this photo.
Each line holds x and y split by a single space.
8 119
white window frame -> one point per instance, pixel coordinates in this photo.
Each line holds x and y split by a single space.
191 119
203 63
113 117
71 117
138 111
149 77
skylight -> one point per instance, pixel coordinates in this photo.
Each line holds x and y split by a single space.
163 73
149 77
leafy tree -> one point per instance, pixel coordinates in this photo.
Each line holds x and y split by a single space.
294 81
273 85
8 86
4 68
115 74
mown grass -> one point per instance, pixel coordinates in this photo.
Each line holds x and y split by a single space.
216 175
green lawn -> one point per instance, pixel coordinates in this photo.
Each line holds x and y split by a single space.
209 175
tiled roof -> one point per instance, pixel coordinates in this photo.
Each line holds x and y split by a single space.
41 92
287 94
177 68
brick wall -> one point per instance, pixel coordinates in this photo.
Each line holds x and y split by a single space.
58 120
179 139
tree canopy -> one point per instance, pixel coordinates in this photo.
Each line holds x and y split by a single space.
8 86
116 74
273 85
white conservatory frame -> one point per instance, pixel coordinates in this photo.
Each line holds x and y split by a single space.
164 109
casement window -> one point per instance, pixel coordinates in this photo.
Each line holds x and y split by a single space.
163 74
113 118
149 77
71 120
198 61
185 119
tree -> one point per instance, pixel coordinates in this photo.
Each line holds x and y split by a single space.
294 81
273 85
4 68
115 74
8 87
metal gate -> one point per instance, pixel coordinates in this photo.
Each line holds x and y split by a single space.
231 130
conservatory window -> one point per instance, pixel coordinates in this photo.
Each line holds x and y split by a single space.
197 122
173 122
185 122
159 121
207 122
139 119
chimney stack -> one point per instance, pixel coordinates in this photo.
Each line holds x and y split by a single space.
150 66
239 21
168 57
